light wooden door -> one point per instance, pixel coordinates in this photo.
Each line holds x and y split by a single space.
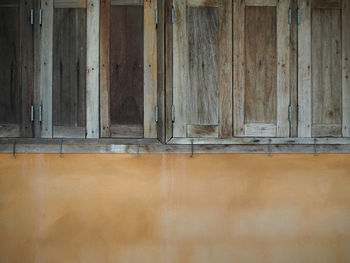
16 68
128 66
261 36
324 52
202 68
69 69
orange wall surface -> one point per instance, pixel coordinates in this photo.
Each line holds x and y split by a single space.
88 208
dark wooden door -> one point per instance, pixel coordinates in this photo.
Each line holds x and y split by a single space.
202 68
69 69
324 68
16 67
128 68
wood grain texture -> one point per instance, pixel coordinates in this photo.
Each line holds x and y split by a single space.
37 71
225 69
69 68
127 131
304 69
70 3
10 67
126 65
127 2
326 68
9 130
346 68
239 67
180 68
260 130
336 4
202 90
9 3
46 60
168 70
294 70
105 38
283 68
203 3
261 65
68 132
161 69
150 69
199 131
92 65
261 2
326 130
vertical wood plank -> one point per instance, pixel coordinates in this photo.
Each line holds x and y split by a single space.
105 17
37 70
225 69
46 58
294 70
180 68
239 67
168 70
161 71
92 74
150 69
283 68
304 69
346 67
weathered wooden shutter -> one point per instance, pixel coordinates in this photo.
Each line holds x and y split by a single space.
128 66
324 52
16 68
261 68
69 69
202 68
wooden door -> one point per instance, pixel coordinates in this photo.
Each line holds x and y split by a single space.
69 69
324 52
261 68
16 67
128 66
202 68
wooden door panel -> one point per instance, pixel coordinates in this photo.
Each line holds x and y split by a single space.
261 68
202 68
128 81
323 85
69 70
16 66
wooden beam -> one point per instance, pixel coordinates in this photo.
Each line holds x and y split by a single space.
294 70
69 3
203 3
346 67
92 64
304 69
261 2
105 41
334 4
150 69
46 59
127 2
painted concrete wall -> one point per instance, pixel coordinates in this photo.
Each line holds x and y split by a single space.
171 208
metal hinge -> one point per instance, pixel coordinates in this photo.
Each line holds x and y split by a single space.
172 15
290 16
290 113
32 113
40 17
40 113
157 17
299 113
32 16
157 114
299 16
173 113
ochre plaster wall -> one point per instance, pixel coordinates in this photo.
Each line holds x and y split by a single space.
172 208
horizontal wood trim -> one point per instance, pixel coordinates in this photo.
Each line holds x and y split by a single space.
261 2
68 132
69 4
334 4
260 129
260 140
134 146
202 131
202 3
126 2
326 130
9 130
9 3
127 131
